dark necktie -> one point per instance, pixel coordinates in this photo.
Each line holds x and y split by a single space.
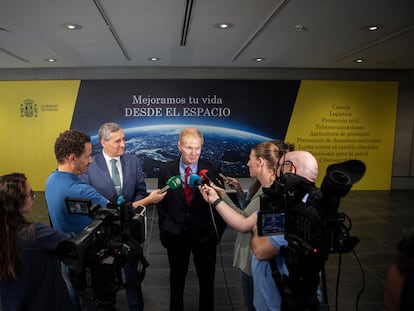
188 191
115 176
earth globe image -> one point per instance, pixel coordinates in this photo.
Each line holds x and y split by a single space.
156 144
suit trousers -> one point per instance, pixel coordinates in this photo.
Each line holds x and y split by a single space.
179 249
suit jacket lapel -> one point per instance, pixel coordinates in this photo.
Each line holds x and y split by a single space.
100 162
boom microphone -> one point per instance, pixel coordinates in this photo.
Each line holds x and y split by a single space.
194 181
209 177
172 183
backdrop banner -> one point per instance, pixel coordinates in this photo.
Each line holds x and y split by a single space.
334 120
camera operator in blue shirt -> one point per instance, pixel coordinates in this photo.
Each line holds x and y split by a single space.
266 293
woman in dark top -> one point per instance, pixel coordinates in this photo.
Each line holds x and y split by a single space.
30 278
399 287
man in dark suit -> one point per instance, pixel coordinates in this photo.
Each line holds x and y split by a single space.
189 227
123 177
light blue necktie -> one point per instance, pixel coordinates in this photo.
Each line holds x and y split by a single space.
115 176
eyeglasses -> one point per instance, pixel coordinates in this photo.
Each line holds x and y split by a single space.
287 166
31 194
188 149
286 163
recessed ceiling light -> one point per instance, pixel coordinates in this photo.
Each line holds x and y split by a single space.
359 60
154 59
300 28
223 25
372 27
72 26
258 59
51 60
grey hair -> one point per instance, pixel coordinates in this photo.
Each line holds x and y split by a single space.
106 129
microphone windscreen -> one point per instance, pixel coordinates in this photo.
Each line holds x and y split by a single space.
120 200
203 175
174 182
194 180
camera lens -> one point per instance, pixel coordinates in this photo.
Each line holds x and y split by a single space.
340 178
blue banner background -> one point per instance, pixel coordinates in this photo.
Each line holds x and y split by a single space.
232 114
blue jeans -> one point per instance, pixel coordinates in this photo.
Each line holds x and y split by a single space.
247 287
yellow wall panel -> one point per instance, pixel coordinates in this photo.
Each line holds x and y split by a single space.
32 114
342 120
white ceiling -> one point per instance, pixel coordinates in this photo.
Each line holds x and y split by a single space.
125 33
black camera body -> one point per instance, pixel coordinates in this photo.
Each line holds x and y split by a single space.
313 228
312 225
96 256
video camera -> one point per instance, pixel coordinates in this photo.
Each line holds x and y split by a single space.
96 256
309 219
309 216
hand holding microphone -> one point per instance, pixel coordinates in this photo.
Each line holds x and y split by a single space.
233 183
172 183
213 182
157 195
210 178
209 193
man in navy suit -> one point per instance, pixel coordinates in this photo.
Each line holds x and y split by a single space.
131 185
187 228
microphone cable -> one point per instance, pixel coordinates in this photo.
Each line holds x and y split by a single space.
363 280
221 255
338 277
339 273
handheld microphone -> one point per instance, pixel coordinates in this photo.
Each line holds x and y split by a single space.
172 183
203 176
207 176
115 202
194 181
120 200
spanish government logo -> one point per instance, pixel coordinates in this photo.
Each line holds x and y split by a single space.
28 109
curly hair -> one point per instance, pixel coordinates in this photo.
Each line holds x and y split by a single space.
70 142
12 199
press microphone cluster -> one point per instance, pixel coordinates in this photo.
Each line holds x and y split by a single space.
195 181
172 183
